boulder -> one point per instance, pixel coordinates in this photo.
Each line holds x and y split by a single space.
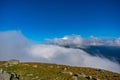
4 75
12 62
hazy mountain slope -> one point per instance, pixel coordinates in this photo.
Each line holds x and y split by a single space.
111 52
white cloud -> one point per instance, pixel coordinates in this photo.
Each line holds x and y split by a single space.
117 41
43 51
13 44
91 41
76 40
66 40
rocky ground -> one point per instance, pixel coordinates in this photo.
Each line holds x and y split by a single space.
45 71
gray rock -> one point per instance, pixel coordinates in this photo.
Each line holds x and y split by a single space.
80 75
96 79
1 71
4 75
101 70
77 75
75 78
89 77
13 75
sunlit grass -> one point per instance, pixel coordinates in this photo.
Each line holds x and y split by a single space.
44 71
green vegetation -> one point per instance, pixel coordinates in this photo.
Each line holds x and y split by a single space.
45 71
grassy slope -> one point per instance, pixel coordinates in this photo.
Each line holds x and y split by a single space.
44 71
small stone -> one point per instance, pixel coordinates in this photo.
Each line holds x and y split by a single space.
97 79
75 78
35 66
101 70
50 66
67 72
58 66
65 69
37 77
29 74
56 78
89 77
80 75
26 64
1 71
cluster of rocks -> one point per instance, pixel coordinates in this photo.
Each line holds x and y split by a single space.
76 76
80 75
4 75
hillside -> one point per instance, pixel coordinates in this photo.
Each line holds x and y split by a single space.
45 71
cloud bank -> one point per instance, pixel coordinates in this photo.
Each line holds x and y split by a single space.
77 40
74 57
14 45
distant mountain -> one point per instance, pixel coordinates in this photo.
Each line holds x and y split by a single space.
111 52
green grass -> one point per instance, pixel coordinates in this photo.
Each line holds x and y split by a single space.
45 71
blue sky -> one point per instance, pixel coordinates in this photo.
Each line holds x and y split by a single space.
40 19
